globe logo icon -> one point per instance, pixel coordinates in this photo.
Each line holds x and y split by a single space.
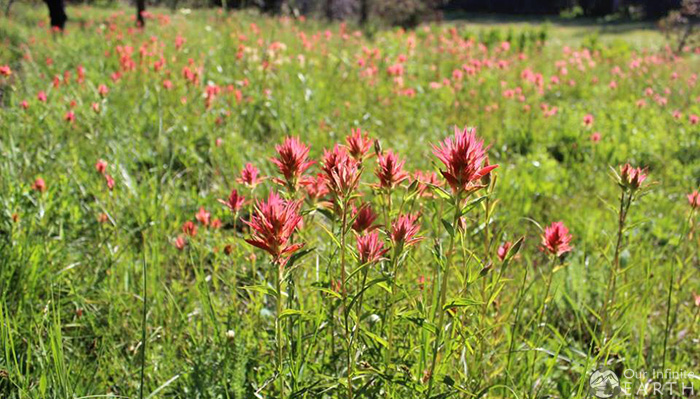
604 384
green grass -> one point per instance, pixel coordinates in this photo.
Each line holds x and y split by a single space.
112 308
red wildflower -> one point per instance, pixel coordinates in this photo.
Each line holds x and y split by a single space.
364 217
203 216
249 176
41 96
5 70
272 225
694 199
234 202
404 230
315 187
189 228
110 181
588 120
103 90
463 159
632 178
70 116
101 166
390 170
425 181
39 185
595 137
292 160
556 239
359 145
216 224
370 248
341 172
503 250
180 242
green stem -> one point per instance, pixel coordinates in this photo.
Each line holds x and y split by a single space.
278 326
443 296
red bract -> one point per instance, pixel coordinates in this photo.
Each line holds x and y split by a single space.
101 166
503 250
110 181
359 145
234 202
315 187
249 176
463 158
694 199
425 180
390 170
180 242
292 160
189 228
341 172
370 248
272 225
39 185
364 217
632 178
203 216
404 230
5 70
556 239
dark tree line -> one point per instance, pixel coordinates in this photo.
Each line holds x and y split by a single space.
361 10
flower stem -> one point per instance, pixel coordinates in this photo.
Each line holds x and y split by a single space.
443 296
278 326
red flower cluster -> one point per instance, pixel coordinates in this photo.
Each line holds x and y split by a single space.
632 178
370 248
234 202
292 160
463 158
556 239
272 225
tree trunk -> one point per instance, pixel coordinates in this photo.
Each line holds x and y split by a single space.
364 12
140 8
57 12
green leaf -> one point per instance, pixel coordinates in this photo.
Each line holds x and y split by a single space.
448 226
461 303
376 338
290 312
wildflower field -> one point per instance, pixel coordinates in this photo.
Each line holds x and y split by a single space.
227 205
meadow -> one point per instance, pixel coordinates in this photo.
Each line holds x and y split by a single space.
230 205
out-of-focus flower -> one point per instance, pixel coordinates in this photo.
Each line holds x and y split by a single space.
463 158
101 166
39 185
694 199
110 181
203 216
315 187
588 120
180 242
234 202
189 228
503 250
556 239
425 181
249 176
595 137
